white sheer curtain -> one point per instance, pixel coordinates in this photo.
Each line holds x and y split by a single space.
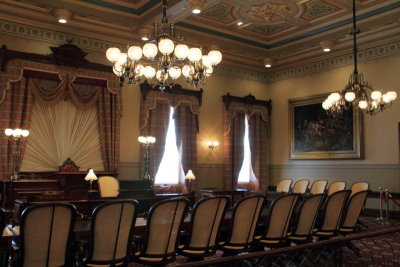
246 174
63 131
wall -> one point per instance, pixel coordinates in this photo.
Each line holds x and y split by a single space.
380 167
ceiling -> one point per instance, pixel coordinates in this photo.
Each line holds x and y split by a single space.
289 31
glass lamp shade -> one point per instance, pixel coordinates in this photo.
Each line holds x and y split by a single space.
118 69
166 46
392 95
8 132
151 139
161 76
149 72
17 133
325 105
186 70
334 97
150 50
91 176
135 53
386 98
350 96
112 54
209 71
190 176
376 95
194 54
181 51
206 61
123 57
139 70
215 57
363 104
25 133
174 72
142 139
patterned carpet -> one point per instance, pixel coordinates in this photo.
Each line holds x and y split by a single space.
376 251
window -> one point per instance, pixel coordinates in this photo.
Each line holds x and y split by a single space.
246 173
170 170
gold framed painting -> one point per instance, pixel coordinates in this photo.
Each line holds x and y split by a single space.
315 134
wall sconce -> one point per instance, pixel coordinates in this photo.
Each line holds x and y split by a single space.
212 144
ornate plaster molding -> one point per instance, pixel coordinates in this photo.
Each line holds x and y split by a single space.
92 44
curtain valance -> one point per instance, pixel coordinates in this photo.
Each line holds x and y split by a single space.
51 83
248 105
174 96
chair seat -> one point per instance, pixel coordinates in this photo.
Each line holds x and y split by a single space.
149 259
269 241
346 230
233 247
297 238
318 233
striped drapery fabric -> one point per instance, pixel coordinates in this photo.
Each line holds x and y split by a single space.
21 85
233 120
154 116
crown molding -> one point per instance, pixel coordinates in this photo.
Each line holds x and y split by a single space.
289 71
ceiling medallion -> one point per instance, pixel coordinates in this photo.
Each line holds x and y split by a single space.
165 57
269 12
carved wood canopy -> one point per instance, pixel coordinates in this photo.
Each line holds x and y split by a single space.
248 100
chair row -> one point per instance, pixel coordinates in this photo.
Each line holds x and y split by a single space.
318 186
47 240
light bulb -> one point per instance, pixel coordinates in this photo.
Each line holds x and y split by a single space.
150 50
363 104
376 95
166 46
215 57
123 57
112 54
350 96
181 51
135 53
25 133
161 76
194 54
9 132
392 95
149 72
174 72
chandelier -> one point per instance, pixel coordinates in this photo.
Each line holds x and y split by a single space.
358 93
164 57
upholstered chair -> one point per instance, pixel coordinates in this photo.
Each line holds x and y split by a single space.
162 232
306 218
359 186
284 186
205 222
46 235
318 187
108 186
336 186
330 222
111 226
301 186
278 221
245 215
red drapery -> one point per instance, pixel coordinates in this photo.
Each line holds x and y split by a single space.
24 82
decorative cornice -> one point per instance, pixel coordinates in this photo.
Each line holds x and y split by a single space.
334 62
21 30
338 166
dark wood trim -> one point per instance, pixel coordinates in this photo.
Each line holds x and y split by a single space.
248 100
68 55
42 75
176 89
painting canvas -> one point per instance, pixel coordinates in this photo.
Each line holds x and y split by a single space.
316 134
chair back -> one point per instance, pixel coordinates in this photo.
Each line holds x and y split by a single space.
205 222
333 211
244 220
284 186
2 219
307 216
46 235
318 187
108 186
359 186
301 186
353 210
111 227
162 229
279 217
336 186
